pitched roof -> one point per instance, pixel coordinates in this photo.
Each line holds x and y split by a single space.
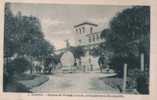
88 23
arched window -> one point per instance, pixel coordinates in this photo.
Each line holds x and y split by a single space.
97 36
76 30
80 41
91 30
80 30
93 38
83 28
89 39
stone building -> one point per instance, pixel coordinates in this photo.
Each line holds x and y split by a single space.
88 36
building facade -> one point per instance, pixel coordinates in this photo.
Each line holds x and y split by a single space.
85 35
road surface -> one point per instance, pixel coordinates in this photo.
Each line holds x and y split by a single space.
88 82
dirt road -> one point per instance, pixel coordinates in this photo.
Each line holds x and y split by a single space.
75 83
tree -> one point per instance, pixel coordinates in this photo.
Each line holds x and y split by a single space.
30 38
128 36
9 46
16 65
77 51
23 37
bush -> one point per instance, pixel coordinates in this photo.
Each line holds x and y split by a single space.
19 65
15 87
12 69
117 63
142 84
25 77
141 80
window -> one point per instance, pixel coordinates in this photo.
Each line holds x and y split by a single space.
97 36
80 41
80 30
93 37
83 28
76 30
91 30
89 39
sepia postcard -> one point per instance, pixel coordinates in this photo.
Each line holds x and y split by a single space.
78 50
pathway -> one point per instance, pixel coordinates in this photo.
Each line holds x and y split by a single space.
88 82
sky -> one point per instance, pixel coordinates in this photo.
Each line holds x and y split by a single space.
57 20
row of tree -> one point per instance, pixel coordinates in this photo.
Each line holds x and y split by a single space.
127 38
23 42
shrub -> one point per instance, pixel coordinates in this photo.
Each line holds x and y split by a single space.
143 83
11 70
117 63
20 65
141 80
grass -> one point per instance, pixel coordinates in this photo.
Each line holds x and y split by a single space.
116 82
35 82
20 77
24 82
15 87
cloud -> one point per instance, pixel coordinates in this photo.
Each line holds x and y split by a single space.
102 22
66 32
57 38
48 24
55 32
60 41
57 43
98 20
52 22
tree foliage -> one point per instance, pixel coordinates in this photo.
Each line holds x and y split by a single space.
129 31
16 65
23 37
23 33
77 51
129 35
